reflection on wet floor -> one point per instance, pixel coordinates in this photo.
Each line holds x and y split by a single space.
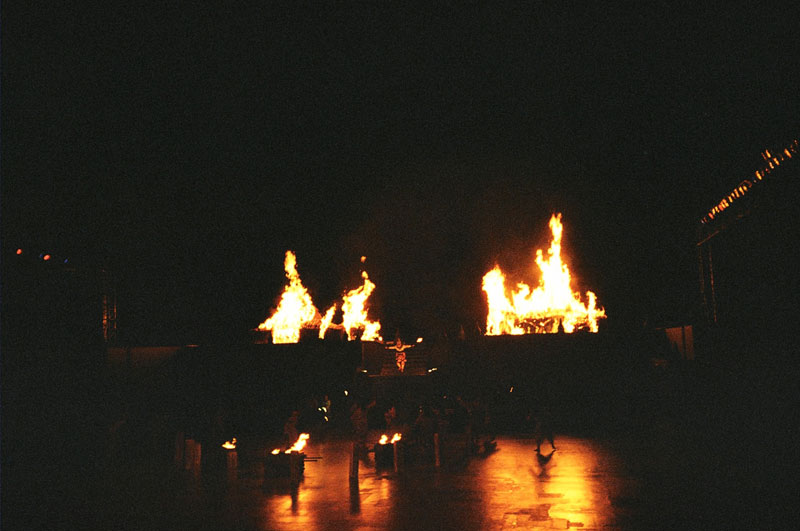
570 487
507 488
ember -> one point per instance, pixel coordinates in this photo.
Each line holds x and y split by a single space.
550 304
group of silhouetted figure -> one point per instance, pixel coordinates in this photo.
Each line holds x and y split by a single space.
419 422
418 425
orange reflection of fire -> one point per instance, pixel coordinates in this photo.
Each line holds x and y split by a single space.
295 310
543 309
354 312
299 444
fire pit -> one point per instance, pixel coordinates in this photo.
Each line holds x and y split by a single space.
287 463
283 465
386 451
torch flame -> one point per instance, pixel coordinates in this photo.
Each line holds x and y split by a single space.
295 309
384 439
354 312
396 437
542 309
230 445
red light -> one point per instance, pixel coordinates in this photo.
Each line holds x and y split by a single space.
46 257
19 251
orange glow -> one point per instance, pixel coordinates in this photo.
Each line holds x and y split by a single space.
230 445
354 312
19 251
276 451
299 444
46 257
295 310
542 309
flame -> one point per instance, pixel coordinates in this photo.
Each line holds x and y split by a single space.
385 439
276 451
542 309
354 312
299 444
230 445
326 321
295 310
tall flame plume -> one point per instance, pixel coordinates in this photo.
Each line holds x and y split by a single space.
295 310
354 312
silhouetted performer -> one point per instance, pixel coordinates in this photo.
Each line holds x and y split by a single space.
424 428
290 429
359 422
544 429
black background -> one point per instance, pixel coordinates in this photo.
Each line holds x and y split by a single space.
187 148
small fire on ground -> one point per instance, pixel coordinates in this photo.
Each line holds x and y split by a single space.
298 445
543 309
385 439
296 310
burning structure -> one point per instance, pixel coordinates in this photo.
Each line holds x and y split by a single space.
296 311
550 306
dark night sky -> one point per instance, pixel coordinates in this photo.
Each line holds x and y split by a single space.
187 149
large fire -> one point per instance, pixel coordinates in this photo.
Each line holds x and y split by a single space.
354 312
543 309
296 311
